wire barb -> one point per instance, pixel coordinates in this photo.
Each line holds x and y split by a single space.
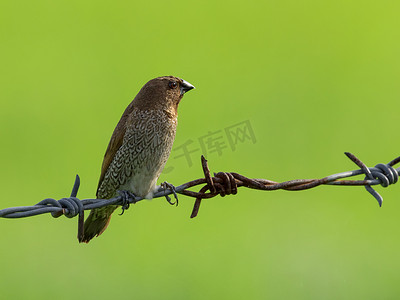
386 174
223 183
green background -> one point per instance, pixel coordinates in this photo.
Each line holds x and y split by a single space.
313 78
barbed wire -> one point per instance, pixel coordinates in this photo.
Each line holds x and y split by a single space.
222 183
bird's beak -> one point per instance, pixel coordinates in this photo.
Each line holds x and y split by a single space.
185 87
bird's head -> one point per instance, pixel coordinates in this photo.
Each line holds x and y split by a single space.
163 93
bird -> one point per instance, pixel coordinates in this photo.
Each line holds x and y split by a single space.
139 148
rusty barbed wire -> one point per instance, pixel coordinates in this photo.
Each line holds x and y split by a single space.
222 183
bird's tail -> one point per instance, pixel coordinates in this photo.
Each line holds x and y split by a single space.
96 223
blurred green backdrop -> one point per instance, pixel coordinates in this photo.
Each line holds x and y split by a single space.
312 78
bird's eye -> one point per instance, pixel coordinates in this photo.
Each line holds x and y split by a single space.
172 84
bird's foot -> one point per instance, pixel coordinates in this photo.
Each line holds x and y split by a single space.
127 198
165 185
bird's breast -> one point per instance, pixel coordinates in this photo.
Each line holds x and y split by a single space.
144 152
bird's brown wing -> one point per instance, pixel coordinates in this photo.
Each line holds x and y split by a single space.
99 218
114 144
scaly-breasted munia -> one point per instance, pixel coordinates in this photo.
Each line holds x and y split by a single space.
139 147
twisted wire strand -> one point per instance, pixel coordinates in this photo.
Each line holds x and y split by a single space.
222 183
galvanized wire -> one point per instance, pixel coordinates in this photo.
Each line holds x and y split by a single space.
222 183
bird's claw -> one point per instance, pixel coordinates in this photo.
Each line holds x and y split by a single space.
165 185
126 200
